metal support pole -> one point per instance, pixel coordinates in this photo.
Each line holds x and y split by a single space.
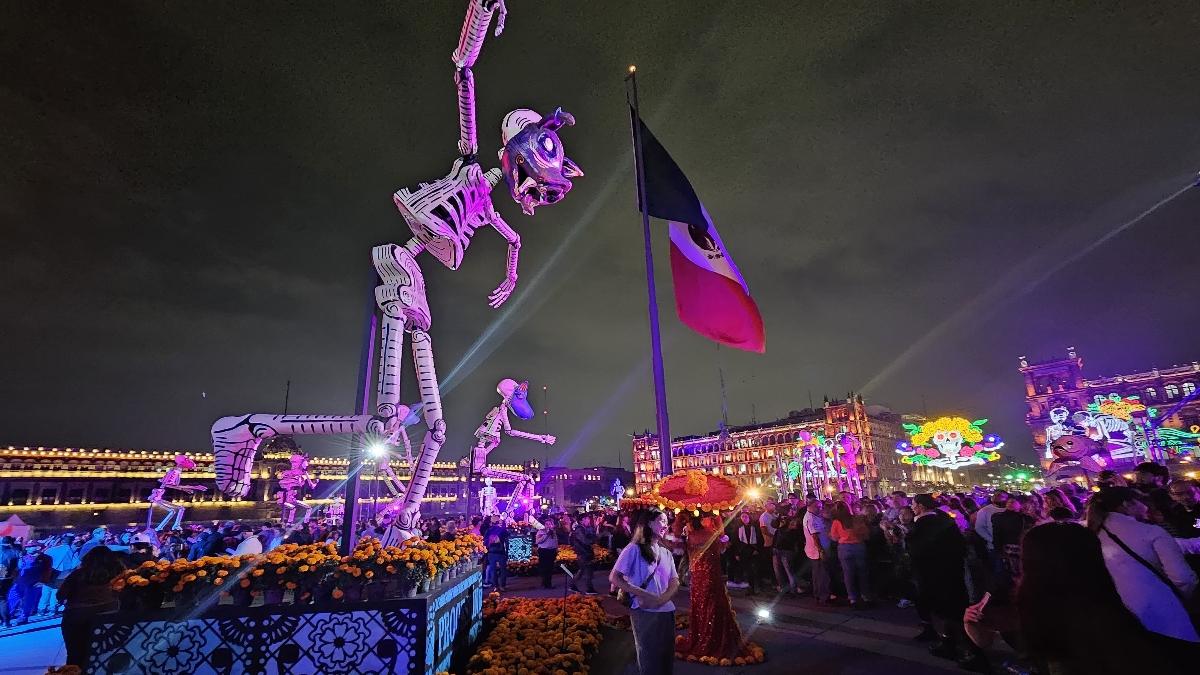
361 407
660 385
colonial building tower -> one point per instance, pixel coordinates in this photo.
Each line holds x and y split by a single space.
1057 383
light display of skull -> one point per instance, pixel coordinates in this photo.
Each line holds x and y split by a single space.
535 167
949 443
1059 415
298 462
184 462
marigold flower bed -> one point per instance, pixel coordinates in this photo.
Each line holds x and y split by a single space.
566 554
298 568
525 636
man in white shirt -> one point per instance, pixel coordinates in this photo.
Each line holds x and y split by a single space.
983 518
816 542
250 543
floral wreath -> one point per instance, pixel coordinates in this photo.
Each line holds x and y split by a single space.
696 491
972 432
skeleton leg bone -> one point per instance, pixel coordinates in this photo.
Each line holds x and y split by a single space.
431 398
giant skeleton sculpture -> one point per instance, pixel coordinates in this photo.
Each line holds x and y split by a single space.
514 398
170 481
443 215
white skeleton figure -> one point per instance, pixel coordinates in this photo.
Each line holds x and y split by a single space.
292 482
514 398
410 416
336 511
487 499
1057 429
617 491
1111 431
170 481
443 216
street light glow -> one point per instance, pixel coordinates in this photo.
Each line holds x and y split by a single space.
377 450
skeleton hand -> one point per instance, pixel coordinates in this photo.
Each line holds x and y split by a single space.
548 439
502 292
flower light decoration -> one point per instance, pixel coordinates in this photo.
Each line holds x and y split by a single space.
1122 408
949 443
1179 441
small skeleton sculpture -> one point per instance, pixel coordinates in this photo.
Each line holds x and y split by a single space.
443 216
487 499
617 491
410 416
170 481
514 398
292 483
336 511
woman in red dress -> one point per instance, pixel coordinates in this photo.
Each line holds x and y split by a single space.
712 631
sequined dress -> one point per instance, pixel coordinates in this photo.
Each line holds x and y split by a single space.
712 629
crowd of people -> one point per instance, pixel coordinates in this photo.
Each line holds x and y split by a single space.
968 563
33 572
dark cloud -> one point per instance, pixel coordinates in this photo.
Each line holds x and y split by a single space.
190 192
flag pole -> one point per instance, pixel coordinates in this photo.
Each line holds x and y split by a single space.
660 383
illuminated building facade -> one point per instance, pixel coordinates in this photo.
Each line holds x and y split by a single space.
567 489
747 454
1153 414
82 487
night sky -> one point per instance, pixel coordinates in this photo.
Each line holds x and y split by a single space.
189 193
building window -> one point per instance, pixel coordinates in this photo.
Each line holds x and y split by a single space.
1189 388
1151 394
1171 391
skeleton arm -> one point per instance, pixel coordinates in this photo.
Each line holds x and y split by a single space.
509 284
547 439
470 42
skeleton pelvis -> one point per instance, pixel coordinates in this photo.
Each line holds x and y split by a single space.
402 291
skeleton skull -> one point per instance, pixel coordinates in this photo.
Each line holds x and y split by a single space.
516 394
1059 415
534 165
949 444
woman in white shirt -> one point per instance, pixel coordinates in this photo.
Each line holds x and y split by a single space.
1145 563
646 571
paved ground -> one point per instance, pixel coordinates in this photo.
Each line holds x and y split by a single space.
800 637
30 651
